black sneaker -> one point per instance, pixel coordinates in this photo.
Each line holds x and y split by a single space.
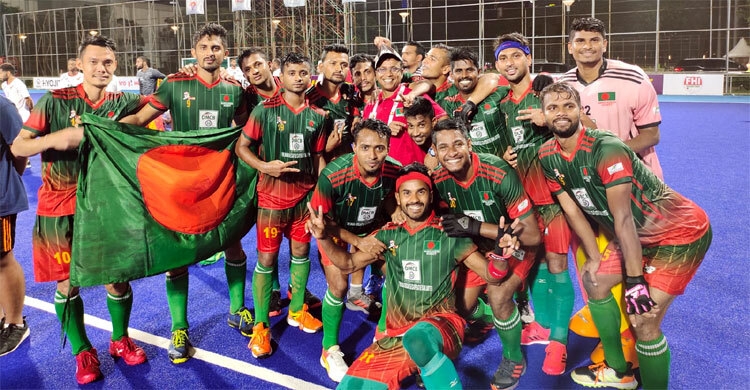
311 300
12 336
508 374
275 306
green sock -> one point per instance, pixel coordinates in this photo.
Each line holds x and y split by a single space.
236 271
276 286
654 357
606 316
262 283
563 299
72 321
299 272
482 312
540 287
119 312
333 312
510 335
177 298
382 320
440 373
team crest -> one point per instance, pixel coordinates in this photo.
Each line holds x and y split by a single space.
585 174
75 120
431 247
560 177
451 201
350 199
227 100
392 247
280 123
487 199
187 98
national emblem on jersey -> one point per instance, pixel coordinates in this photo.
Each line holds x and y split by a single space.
187 98
311 126
280 123
392 247
431 248
560 177
227 100
585 174
412 270
451 201
606 97
487 198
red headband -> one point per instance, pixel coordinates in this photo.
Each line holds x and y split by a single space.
413 175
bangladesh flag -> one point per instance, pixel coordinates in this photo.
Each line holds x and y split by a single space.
149 202
606 96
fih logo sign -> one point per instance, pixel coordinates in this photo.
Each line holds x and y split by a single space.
692 81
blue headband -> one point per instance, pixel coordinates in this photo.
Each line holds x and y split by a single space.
511 44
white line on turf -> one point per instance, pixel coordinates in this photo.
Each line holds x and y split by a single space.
200 354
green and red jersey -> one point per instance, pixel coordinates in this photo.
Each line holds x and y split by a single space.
286 134
55 111
196 104
256 97
488 125
525 139
420 265
336 108
600 161
493 191
354 204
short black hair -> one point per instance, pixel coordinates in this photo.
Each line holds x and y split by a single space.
335 48
248 52
560 88
514 37
588 24
96 40
464 54
8 67
414 167
145 59
211 30
361 58
375 125
420 106
420 49
450 124
294 58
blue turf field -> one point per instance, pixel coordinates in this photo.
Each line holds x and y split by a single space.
705 152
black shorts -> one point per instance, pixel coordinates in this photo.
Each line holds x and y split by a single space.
7 233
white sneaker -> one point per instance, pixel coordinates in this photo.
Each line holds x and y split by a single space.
333 361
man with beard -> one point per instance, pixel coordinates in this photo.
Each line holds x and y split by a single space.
420 117
423 329
202 100
362 68
147 76
412 55
551 288
662 238
355 192
480 191
15 91
284 140
72 77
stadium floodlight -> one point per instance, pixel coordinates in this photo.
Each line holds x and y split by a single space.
175 28
276 23
93 33
22 37
568 3
404 15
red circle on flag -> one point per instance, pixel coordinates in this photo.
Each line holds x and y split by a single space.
226 98
311 123
186 188
431 245
605 96
486 106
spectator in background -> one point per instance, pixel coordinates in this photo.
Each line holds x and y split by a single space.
16 91
276 67
147 76
72 77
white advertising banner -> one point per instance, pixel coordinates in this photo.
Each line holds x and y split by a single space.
693 84
46 82
128 84
123 83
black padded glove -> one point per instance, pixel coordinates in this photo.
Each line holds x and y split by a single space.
466 112
461 225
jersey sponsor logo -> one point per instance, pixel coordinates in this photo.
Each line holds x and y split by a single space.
614 168
366 214
523 206
187 98
487 141
227 100
560 177
208 119
392 247
295 155
412 270
296 142
478 131
350 199
584 200
280 124
585 174
451 201
487 199
415 287
431 248
517 134
476 214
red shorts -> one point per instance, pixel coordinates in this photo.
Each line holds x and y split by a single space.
522 267
7 234
52 242
466 278
554 228
274 225
668 268
386 361
324 259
